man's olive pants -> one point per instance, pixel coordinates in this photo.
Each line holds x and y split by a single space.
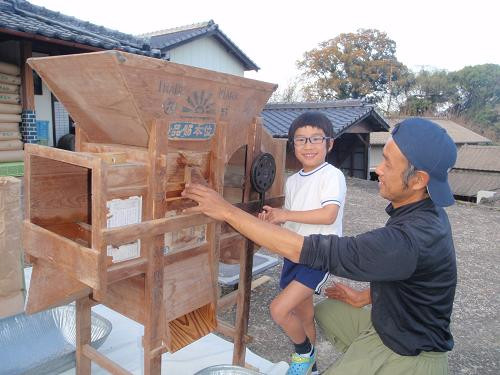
351 331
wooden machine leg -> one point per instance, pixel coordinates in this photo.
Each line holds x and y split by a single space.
83 335
243 304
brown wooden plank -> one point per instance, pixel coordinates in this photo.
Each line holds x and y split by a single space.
127 191
76 260
191 327
50 287
59 198
83 335
152 247
187 285
27 86
231 245
126 269
78 232
127 297
103 361
134 153
130 233
229 330
69 157
230 299
129 174
99 222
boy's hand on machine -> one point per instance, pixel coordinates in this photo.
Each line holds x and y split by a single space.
273 215
209 201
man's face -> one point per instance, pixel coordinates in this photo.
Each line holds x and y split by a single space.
390 175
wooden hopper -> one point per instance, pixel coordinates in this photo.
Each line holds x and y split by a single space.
106 221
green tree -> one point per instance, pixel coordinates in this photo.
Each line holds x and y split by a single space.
429 91
354 65
478 88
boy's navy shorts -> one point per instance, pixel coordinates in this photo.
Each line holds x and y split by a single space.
309 277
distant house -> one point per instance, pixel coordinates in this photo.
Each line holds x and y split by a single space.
353 121
477 169
27 30
460 135
202 45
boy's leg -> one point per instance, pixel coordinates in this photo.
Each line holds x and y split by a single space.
283 306
305 313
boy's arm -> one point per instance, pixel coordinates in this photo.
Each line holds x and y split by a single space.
324 215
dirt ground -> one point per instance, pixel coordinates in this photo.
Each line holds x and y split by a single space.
476 318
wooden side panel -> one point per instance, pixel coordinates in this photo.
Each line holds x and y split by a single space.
59 192
187 285
127 297
191 327
49 287
70 257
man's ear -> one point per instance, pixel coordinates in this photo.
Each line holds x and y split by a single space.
420 180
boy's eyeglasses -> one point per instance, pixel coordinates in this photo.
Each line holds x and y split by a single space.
315 140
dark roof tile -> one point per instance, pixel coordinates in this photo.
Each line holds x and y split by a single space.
20 15
342 113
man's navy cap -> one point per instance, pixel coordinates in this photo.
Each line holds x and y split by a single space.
429 148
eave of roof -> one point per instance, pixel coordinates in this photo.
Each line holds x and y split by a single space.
21 17
469 182
343 114
171 38
457 132
478 158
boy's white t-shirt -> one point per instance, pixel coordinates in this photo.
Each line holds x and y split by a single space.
318 188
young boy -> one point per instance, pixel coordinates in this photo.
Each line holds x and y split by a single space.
314 204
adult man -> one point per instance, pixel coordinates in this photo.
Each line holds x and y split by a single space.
410 262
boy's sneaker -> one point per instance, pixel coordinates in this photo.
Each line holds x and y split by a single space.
302 364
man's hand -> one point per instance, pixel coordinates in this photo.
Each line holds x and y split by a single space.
209 202
353 297
273 215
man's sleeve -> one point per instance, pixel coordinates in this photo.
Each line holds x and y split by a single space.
333 189
384 254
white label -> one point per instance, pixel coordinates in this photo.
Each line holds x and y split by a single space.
124 212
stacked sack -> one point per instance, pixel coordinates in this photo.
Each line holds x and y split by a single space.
11 147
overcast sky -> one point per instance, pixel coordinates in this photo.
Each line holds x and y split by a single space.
444 34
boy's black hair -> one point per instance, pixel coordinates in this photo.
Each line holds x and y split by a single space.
311 118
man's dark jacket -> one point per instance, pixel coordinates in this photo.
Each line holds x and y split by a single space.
412 269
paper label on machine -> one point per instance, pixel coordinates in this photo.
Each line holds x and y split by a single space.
124 212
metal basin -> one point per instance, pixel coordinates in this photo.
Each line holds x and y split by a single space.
44 343
227 370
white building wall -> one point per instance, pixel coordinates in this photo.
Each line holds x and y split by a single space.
43 110
207 53
375 156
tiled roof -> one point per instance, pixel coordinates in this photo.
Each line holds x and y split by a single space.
458 133
342 113
469 182
170 38
477 168
21 16
479 158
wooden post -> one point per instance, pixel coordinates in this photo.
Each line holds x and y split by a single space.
27 85
154 324
246 256
83 335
